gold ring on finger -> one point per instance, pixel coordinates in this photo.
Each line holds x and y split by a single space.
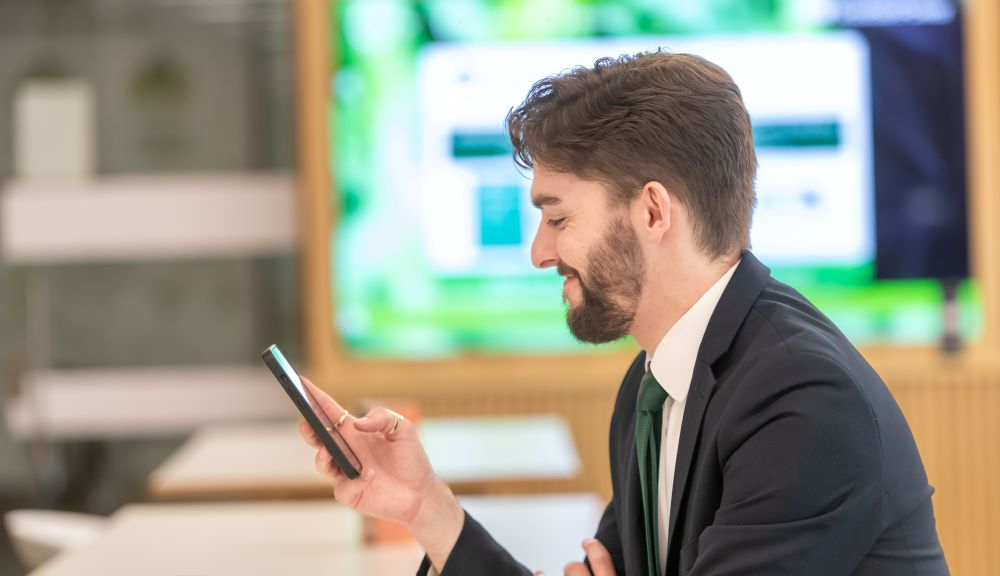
395 424
343 417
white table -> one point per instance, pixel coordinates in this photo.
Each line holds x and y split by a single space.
310 538
270 460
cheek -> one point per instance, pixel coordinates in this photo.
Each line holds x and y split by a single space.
570 256
571 249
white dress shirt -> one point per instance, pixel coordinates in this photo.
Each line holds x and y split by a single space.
672 365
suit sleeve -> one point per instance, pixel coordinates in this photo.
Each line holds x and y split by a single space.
476 552
608 535
801 463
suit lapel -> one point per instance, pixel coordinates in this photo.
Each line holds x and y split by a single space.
702 383
744 287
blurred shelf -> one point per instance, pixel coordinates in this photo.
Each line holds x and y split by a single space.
90 404
148 217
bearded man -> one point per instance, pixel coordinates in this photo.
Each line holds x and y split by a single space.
749 436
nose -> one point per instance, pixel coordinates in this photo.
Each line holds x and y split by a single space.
543 248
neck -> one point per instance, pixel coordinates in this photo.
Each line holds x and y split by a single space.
673 285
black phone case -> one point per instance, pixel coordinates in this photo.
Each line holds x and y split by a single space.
321 432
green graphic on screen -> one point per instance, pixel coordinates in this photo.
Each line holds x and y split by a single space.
431 253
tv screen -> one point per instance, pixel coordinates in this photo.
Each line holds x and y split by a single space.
858 123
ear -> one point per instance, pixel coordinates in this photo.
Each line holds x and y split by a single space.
655 202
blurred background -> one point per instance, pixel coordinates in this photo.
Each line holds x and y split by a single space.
184 182
159 94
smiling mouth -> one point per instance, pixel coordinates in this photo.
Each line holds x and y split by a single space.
566 271
569 280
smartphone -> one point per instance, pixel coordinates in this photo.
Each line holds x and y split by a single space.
319 420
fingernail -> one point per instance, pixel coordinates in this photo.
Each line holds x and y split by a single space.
588 542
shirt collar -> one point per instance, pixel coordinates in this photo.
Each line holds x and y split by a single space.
673 361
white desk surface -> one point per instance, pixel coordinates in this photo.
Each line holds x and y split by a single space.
310 538
271 460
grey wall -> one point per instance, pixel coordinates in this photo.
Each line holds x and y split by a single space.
222 102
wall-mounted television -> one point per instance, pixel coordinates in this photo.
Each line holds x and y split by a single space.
858 120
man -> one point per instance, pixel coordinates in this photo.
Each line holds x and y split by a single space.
749 436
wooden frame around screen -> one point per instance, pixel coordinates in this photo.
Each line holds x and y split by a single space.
329 363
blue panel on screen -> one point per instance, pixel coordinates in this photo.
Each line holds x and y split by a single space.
500 215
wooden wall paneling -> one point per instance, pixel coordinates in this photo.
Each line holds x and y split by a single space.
951 405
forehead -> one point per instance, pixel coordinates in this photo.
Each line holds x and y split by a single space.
554 189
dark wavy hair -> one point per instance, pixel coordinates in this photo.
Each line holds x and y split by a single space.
676 119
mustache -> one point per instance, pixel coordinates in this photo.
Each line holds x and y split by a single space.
565 270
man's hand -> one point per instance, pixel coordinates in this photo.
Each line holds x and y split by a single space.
396 482
599 558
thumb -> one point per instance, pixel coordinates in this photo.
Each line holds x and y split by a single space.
600 559
385 421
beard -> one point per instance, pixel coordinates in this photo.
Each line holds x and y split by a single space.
615 275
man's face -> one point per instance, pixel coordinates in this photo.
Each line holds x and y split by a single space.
594 246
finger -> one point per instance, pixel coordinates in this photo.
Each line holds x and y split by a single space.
328 404
538 574
600 559
382 420
307 433
349 492
576 569
322 461
325 464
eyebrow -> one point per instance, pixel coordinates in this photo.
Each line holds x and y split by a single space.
545 201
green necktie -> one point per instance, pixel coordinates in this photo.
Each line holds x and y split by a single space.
648 427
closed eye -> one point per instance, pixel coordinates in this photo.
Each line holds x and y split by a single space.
555 222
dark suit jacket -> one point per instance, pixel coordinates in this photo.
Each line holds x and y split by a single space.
793 458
